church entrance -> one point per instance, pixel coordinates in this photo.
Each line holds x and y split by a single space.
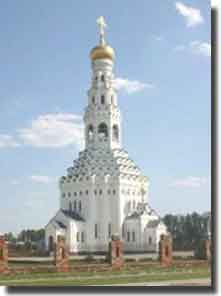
51 243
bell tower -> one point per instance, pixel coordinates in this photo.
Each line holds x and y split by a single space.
102 115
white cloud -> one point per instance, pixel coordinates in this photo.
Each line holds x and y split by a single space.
179 48
201 48
53 130
42 179
131 86
190 182
7 141
196 47
15 182
159 38
192 15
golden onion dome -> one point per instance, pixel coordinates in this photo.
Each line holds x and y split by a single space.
102 52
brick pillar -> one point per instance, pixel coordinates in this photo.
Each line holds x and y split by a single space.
115 253
61 256
3 255
165 250
207 248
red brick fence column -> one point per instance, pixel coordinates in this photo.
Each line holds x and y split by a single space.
61 255
165 250
115 254
3 255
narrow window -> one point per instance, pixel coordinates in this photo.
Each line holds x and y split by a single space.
109 230
133 236
90 131
69 194
115 132
129 206
102 99
102 77
100 191
82 237
63 194
70 207
95 231
75 205
79 205
114 191
78 237
103 130
128 236
95 191
123 230
86 192
93 100
150 240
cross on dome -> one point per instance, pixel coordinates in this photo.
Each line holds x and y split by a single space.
102 25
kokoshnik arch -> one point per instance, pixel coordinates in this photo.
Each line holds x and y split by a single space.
104 192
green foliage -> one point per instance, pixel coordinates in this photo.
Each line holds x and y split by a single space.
186 230
31 235
200 252
10 237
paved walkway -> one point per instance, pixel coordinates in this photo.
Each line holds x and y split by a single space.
192 282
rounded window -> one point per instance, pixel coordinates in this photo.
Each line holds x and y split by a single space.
102 99
102 130
90 132
115 132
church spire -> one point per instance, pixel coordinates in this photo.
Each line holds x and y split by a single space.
102 115
102 25
103 50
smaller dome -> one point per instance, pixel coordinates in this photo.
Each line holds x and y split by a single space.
102 52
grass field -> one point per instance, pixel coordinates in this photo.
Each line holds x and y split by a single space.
128 274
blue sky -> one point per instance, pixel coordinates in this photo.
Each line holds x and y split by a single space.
163 66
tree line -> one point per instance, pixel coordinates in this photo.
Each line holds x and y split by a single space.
187 230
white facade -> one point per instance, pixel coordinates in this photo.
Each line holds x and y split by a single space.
104 192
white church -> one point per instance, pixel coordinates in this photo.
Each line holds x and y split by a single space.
104 192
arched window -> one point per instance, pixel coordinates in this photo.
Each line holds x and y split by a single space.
134 204
93 100
133 236
51 243
75 205
102 77
79 206
90 131
78 237
102 99
102 130
70 207
150 240
129 206
109 230
95 231
115 131
82 237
